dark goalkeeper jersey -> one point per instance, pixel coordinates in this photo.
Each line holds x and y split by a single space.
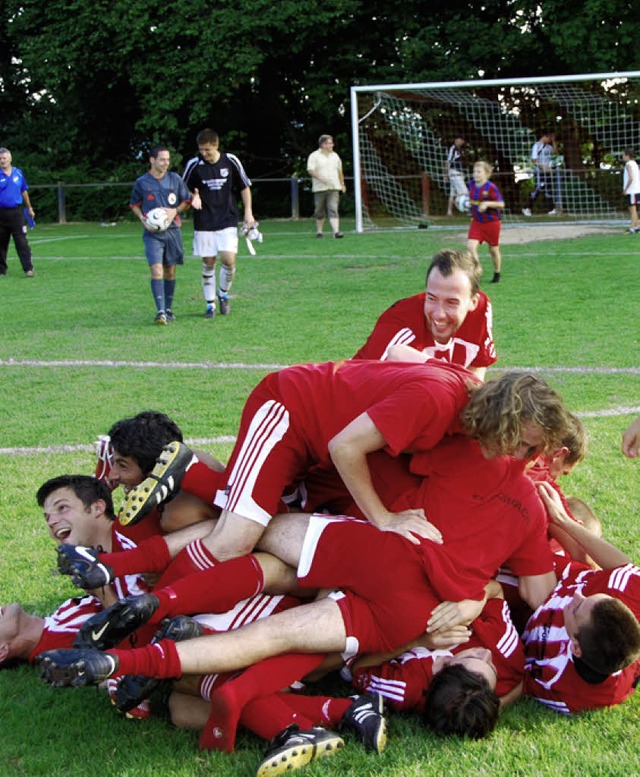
219 186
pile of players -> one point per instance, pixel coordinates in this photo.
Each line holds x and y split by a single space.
391 515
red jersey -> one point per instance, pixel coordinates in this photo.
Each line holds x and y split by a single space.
551 674
413 405
489 514
403 680
61 628
404 323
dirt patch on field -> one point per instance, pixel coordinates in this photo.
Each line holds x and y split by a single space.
535 232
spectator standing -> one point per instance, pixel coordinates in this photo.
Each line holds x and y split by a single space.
14 196
541 156
455 169
631 187
325 168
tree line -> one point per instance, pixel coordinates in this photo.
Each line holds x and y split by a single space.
87 87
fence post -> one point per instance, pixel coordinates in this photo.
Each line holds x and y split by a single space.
295 198
62 211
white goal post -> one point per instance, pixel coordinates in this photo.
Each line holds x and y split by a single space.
402 133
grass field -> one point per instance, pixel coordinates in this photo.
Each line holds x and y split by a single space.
79 350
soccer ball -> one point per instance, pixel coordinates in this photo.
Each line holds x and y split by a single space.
462 203
158 220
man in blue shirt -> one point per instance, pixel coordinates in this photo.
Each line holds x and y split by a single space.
14 196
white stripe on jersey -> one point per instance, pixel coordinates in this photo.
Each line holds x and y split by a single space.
391 689
243 176
267 428
510 639
403 337
71 614
619 579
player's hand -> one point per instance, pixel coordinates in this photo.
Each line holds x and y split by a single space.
482 207
172 213
448 615
631 440
412 525
196 202
553 503
447 638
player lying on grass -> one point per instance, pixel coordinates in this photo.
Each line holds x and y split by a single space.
128 453
582 644
506 521
452 320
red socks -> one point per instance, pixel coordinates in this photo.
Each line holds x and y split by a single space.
262 679
159 660
151 555
194 558
213 590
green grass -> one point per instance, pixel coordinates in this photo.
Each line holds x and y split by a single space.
67 336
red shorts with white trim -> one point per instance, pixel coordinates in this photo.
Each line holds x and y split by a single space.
267 458
485 232
384 597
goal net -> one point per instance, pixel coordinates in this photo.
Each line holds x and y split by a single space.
402 135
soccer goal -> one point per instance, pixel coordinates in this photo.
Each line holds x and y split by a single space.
402 134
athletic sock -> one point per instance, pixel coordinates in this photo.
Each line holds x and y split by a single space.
194 558
201 481
321 710
169 292
261 679
151 555
209 283
269 715
226 278
212 590
160 660
157 289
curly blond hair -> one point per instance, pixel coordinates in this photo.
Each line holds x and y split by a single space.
498 409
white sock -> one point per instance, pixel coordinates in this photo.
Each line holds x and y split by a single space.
226 278
209 283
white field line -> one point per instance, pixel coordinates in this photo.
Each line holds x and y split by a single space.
206 365
612 412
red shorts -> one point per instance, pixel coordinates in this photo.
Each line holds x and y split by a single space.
485 232
267 458
384 597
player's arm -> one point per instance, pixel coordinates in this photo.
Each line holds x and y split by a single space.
479 372
602 552
509 698
245 195
449 615
27 201
138 212
534 589
405 353
631 440
348 451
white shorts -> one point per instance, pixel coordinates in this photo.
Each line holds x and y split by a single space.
212 243
457 185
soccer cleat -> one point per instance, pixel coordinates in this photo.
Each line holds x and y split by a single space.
62 667
162 484
365 718
29 273
293 748
552 212
169 315
225 304
84 566
132 690
210 312
161 319
319 235
526 211
108 628
338 235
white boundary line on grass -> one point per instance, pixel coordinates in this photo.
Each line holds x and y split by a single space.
206 365
54 449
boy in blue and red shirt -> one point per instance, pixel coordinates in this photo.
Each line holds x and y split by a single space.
486 206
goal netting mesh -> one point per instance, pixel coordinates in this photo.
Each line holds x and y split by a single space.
402 135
